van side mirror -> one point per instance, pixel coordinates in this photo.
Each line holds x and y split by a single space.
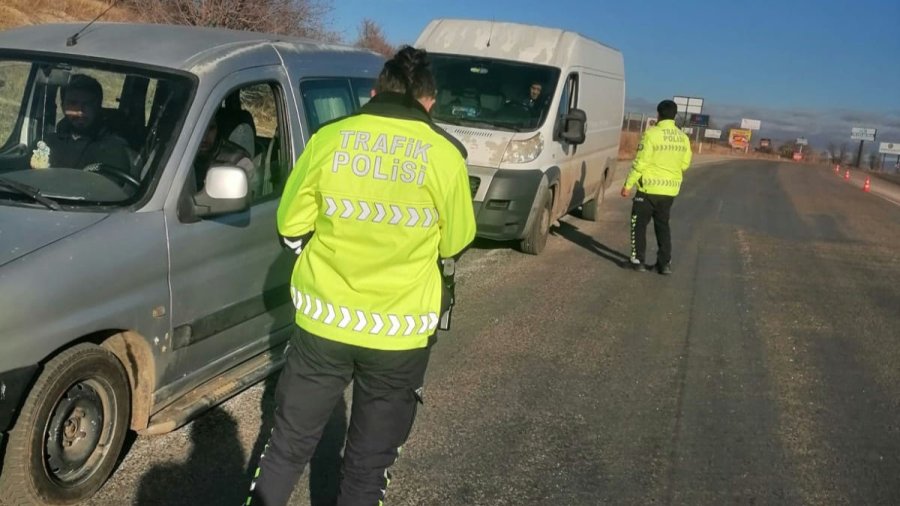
225 191
573 127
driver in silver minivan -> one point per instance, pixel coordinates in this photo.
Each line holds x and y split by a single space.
81 139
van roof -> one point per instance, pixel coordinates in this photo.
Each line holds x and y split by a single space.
190 48
518 42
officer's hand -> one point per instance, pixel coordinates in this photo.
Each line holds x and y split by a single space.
624 192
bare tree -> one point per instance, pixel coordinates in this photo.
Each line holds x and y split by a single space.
371 36
301 18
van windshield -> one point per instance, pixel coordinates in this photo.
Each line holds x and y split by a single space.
81 134
492 93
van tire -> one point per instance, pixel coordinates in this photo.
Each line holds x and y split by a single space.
70 432
590 211
536 237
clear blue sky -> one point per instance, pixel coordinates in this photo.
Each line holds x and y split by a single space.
802 55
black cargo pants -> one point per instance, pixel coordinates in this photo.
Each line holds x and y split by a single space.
386 390
643 208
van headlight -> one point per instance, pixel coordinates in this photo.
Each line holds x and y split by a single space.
524 151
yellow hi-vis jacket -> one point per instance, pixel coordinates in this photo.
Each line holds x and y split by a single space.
662 156
384 193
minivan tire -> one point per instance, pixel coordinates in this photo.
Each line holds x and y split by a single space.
590 211
69 434
536 237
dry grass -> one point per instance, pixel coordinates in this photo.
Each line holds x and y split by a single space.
628 144
32 12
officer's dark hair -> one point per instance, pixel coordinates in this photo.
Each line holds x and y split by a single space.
408 72
85 83
667 109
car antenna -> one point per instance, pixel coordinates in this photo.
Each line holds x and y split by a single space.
71 41
491 34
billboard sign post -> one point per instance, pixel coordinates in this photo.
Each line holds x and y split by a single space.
862 135
688 105
889 148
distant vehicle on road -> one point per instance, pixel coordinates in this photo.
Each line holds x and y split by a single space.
531 160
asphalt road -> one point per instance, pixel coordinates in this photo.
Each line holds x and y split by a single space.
765 370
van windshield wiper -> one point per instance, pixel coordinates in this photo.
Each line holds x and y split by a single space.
29 191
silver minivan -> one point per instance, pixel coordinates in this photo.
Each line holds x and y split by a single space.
141 276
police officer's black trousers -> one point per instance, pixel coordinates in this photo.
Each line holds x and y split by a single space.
644 208
313 380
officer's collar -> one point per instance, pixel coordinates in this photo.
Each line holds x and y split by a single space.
396 105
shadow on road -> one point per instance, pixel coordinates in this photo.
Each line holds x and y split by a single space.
214 472
571 233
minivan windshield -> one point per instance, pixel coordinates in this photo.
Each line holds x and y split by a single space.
83 134
492 93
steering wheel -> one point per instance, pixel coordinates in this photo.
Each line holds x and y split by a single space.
113 173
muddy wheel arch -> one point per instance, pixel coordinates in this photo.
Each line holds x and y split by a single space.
136 356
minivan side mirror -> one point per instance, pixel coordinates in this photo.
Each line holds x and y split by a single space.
573 127
225 191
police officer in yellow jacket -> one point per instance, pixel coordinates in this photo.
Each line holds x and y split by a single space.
662 156
372 205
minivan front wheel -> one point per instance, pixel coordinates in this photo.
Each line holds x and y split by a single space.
70 431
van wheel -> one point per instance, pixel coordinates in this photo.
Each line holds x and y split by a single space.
536 237
590 211
70 431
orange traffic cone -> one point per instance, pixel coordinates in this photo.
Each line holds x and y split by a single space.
867 186
837 169
847 175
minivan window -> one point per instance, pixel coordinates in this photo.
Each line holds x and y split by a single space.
325 100
492 93
332 98
84 134
246 131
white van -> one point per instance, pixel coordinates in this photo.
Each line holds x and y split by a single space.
531 161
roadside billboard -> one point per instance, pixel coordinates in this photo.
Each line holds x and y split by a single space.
689 105
863 134
889 148
699 120
750 124
712 134
739 138
765 143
